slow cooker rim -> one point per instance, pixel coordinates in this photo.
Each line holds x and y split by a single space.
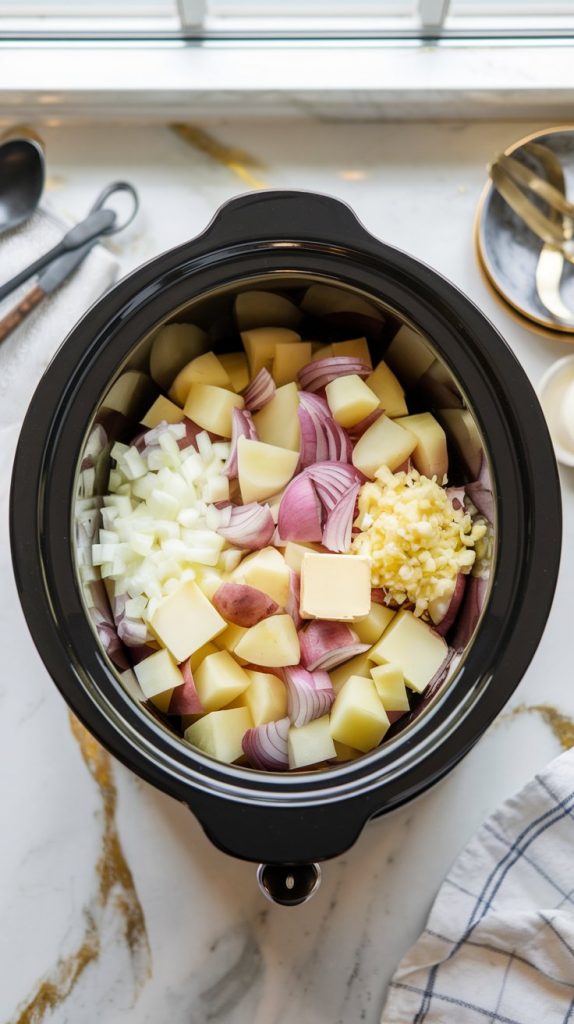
124 296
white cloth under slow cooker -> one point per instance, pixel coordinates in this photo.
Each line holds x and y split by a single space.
499 943
26 352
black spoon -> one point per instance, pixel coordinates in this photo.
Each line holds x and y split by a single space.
22 173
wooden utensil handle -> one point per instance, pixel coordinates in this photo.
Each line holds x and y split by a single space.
20 312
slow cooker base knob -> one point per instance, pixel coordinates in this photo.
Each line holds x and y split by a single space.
289 884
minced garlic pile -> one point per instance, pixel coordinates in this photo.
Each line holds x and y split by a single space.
417 542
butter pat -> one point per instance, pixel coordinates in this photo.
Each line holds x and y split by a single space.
185 621
335 587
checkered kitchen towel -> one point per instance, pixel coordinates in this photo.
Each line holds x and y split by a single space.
499 942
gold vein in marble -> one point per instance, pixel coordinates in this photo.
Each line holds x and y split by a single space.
114 880
562 726
236 160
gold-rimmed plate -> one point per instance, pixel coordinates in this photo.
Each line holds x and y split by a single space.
508 251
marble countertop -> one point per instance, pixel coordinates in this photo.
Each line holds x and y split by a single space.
113 904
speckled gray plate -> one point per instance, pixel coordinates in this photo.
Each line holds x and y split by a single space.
509 250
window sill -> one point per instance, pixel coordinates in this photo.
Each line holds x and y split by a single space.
338 80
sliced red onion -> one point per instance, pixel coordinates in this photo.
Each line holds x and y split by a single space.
482 498
185 698
470 611
138 654
456 496
379 596
450 612
294 599
265 746
337 530
315 376
300 511
108 638
314 444
242 425
405 467
357 431
332 480
331 441
250 526
260 391
243 605
132 632
310 695
324 645
97 441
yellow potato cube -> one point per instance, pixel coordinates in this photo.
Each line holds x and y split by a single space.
263 469
219 734
411 644
267 571
358 717
384 443
219 680
186 620
335 586
360 665
229 639
289 359
212 408
197 657
173 346
209 582
266 697
430 456
237 369
264 309
323 352
272 643
260 344
409 355
204 369
157 674
324 300
310 744
350 400
388 390
277 422
346 753
162 409
390 685
162 701
371 628
463 430
357 347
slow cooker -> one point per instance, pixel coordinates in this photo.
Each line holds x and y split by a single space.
460 368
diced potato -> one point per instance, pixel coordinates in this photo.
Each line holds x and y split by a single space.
346 753
357 347
197 657
411 644
173 346
384 443
185 620
310 744
219 680
409 356
390 685
266 570
229 639
350 400
325 352
264 309
430 456
219 734
335 586
277 422
157 674
272 643
388 390
462 429
263 469
289 359
236 366
324 299
371 628
266 697
295 552
162 701
357 666
212 407
274 504
209 582
204 369
358 717
162 409
260 344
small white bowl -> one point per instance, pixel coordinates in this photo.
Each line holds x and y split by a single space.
556 394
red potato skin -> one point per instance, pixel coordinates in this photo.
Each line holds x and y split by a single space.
243 605
393 716
185 698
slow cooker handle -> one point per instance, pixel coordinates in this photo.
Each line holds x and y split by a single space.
279 214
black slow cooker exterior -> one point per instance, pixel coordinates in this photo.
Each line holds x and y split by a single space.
282 818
